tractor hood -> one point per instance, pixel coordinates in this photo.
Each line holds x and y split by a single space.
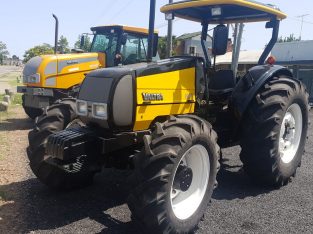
53 71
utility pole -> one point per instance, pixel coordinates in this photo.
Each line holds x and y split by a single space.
236 47
302 17
169 46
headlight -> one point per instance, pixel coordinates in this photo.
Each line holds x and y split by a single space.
99 110
35 78
81 108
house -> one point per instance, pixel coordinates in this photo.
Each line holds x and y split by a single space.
190 44
298 57
247 59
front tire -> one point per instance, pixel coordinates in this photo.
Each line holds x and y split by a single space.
175 175
56 117
274 131
31 111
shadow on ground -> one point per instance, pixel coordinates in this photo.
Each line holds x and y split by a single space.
39 208
13 124
234 183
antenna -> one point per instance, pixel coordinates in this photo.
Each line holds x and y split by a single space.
302 17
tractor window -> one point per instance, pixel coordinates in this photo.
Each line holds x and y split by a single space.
106 43
134 50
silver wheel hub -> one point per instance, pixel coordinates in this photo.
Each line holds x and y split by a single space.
190 182
290 133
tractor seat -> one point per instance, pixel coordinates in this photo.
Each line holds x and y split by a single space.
221 85
132 58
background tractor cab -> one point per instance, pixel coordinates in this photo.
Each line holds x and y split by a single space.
48 78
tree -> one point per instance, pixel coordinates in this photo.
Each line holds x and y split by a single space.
290 38
63 46
162 46
3 52
38 50
87 43
14 57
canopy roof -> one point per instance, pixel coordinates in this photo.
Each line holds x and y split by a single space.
225 11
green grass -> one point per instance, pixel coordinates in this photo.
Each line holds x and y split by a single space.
17 100
12 78
3 196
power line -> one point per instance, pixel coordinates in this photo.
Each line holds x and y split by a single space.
299 20
106 9
165 24
121 10
302 17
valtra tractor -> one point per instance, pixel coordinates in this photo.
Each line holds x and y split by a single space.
49 78
168 120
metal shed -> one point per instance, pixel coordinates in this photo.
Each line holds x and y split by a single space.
298 57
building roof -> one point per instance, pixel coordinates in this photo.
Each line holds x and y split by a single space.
230 11
296 52
188 35
245 57
191 35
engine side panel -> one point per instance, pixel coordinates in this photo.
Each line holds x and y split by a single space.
63 71
164 94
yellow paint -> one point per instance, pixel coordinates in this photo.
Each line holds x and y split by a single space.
198 3
146 114
177 89
71 74
102 59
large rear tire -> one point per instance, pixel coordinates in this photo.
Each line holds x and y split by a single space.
30 111
56 117
275 131
174 176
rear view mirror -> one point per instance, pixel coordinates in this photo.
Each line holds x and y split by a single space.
124 38
155 44
220 40
82 42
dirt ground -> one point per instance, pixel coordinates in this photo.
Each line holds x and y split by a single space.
238 206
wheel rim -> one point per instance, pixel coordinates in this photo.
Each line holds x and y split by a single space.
290 133
185 203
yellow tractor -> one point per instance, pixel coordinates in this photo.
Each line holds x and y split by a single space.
168 119
49 78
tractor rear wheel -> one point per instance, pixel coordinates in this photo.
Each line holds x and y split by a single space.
30 111
275 131
175 175
56 117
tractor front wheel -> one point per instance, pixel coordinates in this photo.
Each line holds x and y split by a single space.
175 175
31 111
275 131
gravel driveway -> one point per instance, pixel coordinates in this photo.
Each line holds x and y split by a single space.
238 206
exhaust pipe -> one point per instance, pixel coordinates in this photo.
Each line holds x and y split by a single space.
151 30
56 34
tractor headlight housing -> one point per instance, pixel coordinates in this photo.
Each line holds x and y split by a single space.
33 79
99 111
81 108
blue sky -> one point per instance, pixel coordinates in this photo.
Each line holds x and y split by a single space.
24 24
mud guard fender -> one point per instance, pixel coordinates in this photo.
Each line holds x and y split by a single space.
248 87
